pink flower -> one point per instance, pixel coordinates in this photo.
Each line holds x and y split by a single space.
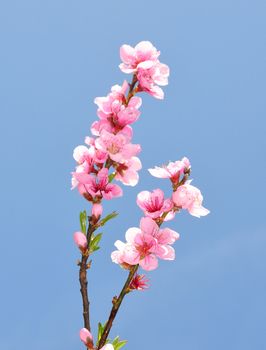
139 282
117 146
139 249
190 198
144 63
132 58
113 100
127 171
153 203
171 171
164 237
86 337
144 245
81 241
150 75
113 112
96 187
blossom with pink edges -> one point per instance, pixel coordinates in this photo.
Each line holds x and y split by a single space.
97 187
189 197
144 63
139 249
165 238
114 112
81 240
127 172
145 245
117 146
151 76
133 58
153 203
172 171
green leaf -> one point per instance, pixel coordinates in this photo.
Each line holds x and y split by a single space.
100 331
94 245
95 249
111 177
107 218
83 221
118 344
96 240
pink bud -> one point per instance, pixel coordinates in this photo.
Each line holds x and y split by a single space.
86 337
96 210
81 240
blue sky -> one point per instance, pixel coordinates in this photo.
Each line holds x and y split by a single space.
56 56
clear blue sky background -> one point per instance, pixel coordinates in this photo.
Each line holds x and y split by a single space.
56 56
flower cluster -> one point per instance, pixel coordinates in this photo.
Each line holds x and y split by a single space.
144 245
110 154
142 60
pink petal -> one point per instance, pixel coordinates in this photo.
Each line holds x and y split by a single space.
135 102
142 198
169 253
159 172
146 64
198 211
130 255
167 236
127 54
149 226
112 191
131 234
149 263
83 178
79 153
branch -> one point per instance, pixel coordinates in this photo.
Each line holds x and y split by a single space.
116 305
84 265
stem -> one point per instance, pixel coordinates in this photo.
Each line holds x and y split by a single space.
84 291
131 91
84 265
116 305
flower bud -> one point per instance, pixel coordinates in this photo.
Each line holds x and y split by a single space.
81 240
96 210
86 337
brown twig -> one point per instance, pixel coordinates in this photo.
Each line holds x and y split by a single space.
84 265
116 305
131 91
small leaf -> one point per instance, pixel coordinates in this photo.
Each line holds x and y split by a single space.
107 218
95 249
115 341
94 242
111 177
118 344
83 221
100 331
